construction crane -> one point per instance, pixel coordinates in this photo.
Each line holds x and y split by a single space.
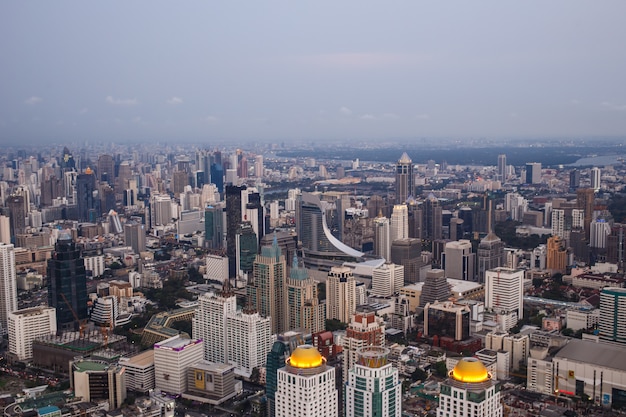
82 324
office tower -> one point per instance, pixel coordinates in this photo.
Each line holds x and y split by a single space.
574 179
533 173
306 385
456 228
432 218
416 219
259 170
180 179
595 178
276 358
17 214
556 256
26 325
585 200
253 211
365 329
8 284
373 387
67 283
203 165
490 254
616 247
160 210
304 311
213 226
501 175
404 179
612 324
382 237
600 230
172 359
469 391
340 294
209 322
106 169
5 229
98 381
376 205
399 222
458 260
135 237
217 176
51 189
408 253
436 287
266 291
233 222
504 291
247 248
447 319
124 173
248 340
387 279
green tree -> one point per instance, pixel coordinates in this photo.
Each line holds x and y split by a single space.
440 369
419 375
567 332
334 324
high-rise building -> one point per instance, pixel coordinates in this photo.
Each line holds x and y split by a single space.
405 186
490 254
17 213
306 385
556 255
26 325
249 339
408 253
501 175
340 294
373 387
458 260
86 201
258 166
67 283
98 381
304 311
160 210
504 291
365 329
213 226
436 287
447 319
558 222
595 174
399 222
600 230
8 284
106 169
135 236
266 293
209 322
233 222
387 279
247 248
469 391
172 359
533 172
585 200
612 324
574 179
432 218
382 238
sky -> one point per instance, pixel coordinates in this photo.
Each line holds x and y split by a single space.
147 70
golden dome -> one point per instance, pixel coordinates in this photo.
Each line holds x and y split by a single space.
470 370
306 356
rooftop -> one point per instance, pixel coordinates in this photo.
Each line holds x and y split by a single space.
596 354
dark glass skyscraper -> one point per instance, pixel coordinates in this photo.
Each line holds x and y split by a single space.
86 204
404 179
67 283
233 221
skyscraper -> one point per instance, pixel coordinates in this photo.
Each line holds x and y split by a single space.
595 178
249 339
432 218
501 175
106 169
504 292
304 311
67 283
404 179
458 260
490 254
382 237
266 293
399 222
387 279
365 329
8 284
436 287
340 294
209 322
135 236
247 248
612 325
17 214
373 387
213 226
306 386
585 200
407 252
233 222
533 173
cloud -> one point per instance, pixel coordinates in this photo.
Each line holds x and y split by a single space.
212 119
124 102
422 116
345 110
84 110
575 102
390 116
367 117
175 101
614 107
31 101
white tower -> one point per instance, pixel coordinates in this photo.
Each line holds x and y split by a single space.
382 237
387 279
399 222
595 178
306 386
209 323
8 284
28 324
504 292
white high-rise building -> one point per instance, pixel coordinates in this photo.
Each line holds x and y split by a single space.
387 279
306 386
504 291
382 238
516 205
216 268
5 229
28 324
249 339
399 222
160 210
8 284
373 387
558 223
172 359
210 323
600 230
469 391
595 178
340 294
258 166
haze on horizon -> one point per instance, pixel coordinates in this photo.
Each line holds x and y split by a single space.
278 70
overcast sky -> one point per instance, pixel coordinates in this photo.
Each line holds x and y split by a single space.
281 70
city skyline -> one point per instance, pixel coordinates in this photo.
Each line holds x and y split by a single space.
142 72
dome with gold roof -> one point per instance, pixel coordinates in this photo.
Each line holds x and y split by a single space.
305 356
470 370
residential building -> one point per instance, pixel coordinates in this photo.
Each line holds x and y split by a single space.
8 284
340 294
26 325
